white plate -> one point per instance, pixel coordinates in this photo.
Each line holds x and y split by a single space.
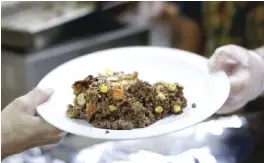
208 91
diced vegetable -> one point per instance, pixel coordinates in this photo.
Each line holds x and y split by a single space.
104 89
158 109
112 107
118 94
172 87
89 110
164 82
108 72
80 99
72 113
116 85
161 96
176 108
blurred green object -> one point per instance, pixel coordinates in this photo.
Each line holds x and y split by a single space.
230 22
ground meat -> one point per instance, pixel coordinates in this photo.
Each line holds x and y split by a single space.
123 102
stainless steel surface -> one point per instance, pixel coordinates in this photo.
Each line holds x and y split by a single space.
22 71
23 23
41 16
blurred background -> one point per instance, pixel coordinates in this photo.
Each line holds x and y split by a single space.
39 36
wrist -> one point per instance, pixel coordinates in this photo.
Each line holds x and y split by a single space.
6 147
260 51
9 145
257 72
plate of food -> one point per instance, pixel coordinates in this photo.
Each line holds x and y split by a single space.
132 92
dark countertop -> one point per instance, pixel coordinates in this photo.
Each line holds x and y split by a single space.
254 113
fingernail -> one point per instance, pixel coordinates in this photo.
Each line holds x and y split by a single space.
49 91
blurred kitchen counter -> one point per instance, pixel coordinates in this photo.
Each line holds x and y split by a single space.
21 71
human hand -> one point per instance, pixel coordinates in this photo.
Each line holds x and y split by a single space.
245 69
21 129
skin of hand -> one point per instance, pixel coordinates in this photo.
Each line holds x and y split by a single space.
245 70
21 129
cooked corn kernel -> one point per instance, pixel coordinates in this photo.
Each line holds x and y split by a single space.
164 82
80 99
158 109
112 107
172 87
108 72
118 104
116 85
161 96
72 114
179 102
176 108
104 89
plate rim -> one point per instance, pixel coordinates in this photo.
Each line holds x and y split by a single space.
110 136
